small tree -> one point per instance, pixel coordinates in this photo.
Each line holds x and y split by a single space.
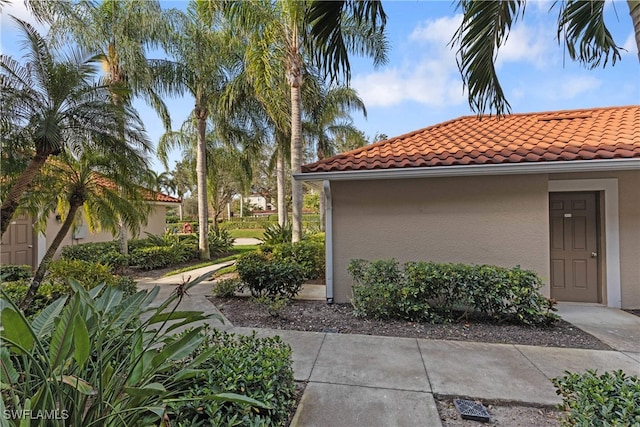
101 185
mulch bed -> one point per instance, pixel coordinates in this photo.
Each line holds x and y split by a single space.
319 316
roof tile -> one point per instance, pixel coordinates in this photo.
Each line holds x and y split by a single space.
591 134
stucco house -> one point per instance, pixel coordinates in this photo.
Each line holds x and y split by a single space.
554 192
22 245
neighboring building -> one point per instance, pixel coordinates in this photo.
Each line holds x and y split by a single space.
258 201
21 244
556 192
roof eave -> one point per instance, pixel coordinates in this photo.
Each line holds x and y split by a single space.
475 170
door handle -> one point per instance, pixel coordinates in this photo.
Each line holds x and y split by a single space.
30 246
594 255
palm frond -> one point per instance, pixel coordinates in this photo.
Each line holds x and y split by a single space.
485 27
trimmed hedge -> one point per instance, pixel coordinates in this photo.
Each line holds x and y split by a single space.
309 254
259 368
265 276
424 291
611 399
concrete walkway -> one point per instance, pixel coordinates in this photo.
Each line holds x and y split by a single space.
359 380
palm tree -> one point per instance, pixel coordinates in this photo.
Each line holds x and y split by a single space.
99 183
51 106
121 31
485 27
278 35
328 116
201 68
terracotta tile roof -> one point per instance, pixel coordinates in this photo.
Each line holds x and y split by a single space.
149 195
589 134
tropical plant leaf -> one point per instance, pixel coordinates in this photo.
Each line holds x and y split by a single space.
44 321
81 342
8 373
79 384
16 329
62 338
151 389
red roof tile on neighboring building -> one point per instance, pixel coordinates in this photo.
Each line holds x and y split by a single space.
589 134
149 195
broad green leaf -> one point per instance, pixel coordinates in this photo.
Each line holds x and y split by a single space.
179 348
185 374
110 298
151 389
136 360
62 338
8 374
93 292
16 329
26 422
44 321
81 343
79 384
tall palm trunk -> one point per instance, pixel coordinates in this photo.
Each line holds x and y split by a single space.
12 201
634 11
48 256
295 83
201 172
281 183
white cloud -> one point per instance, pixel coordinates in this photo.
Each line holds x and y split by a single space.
438 31
526 44
571 87
430 76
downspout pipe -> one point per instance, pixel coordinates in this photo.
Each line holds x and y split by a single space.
328 245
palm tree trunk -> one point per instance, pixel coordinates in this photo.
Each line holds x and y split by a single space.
48 256
281 183
201 172
634 11
296 156
12 201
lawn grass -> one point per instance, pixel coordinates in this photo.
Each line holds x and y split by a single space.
256 233
236 252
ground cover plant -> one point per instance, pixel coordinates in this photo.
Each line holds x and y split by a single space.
423 291
259 368
589 399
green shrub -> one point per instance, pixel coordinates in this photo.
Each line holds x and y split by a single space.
220 241
276 233
90 274
12 273
99 343
89 251
153 257
611 399
267 277
115 261
227 287
259 368
308 254
419 291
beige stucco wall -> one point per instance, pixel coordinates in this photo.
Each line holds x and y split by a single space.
501 220
629 229
155 225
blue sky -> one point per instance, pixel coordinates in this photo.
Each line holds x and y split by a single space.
420 85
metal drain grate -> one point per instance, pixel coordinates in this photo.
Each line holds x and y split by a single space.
471 410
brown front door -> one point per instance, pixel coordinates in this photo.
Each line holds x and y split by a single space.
574 247
17 242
